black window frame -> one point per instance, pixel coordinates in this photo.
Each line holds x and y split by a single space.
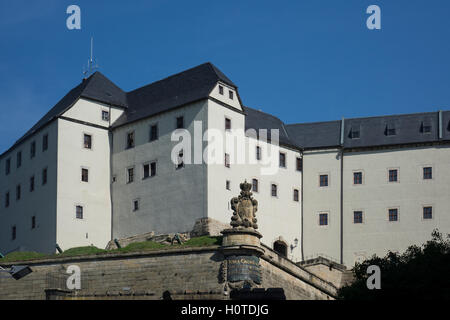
32 149
274 190
323 180
255 185
79 212
87 141
179 122
296 195
393 212
393 175
84 175
45 142
427 173
282 160
357 178
357 216
427 213
131 141
323 218
154 132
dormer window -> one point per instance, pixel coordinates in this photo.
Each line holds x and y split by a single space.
355 132
390 129
426 127
105 115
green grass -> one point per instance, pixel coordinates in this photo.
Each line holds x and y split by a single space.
141 246
22 255
81 251
132 247
203 241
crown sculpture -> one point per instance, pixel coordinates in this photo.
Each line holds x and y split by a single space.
244 207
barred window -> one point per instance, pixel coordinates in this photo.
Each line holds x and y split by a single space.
393 214
428 212
357 217
79 212
323 219
393 175
357 177
323 180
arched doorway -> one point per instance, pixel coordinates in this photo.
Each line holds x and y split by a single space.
280 247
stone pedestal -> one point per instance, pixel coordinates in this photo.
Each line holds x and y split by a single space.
241 248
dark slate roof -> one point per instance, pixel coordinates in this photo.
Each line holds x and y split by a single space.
177 90
182 88
315 135
96 87
257 120
408 129
373 131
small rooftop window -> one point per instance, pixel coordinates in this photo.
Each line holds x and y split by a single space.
354 132
390 129
426 126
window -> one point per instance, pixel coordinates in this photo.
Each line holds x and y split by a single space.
7 200
357 177
427 213
149 170
390 129
79 212
18 192
255 185
152 169
426 127
180 160
258 153
8 166
105 115
154 132
393 214
180 122
323 180
274 190
87 141
357 217
136 205
14 233
44 176
323 219
221 90
33 150
84 175
45 142
231 94
32 184
227 160
130 175
33 222
393 175
299 164
227 185
227 124
130 140
282 160
296 195
355 132
19 159
427 173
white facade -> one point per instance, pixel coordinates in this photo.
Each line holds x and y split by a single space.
167 198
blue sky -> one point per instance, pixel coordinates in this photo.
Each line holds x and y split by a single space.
303 61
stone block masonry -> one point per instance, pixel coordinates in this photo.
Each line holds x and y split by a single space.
176 273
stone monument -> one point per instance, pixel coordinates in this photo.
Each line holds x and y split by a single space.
241 243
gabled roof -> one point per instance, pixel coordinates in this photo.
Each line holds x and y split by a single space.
257 120
96 87
182 88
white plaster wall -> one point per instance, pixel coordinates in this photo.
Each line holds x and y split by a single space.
90 111
225 96
94 196
323 240
376 235
173 199
40 203
278 216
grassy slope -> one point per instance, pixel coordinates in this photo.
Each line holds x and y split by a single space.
133 247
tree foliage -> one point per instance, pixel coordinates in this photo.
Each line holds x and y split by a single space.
421 272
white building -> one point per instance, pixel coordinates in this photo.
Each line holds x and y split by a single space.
98 166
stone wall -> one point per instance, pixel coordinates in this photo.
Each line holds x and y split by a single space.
324 268
178 273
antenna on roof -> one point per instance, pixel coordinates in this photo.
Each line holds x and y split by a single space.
92 62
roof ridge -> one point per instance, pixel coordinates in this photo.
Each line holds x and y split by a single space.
168 77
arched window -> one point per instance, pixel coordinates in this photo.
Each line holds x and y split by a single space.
280 247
